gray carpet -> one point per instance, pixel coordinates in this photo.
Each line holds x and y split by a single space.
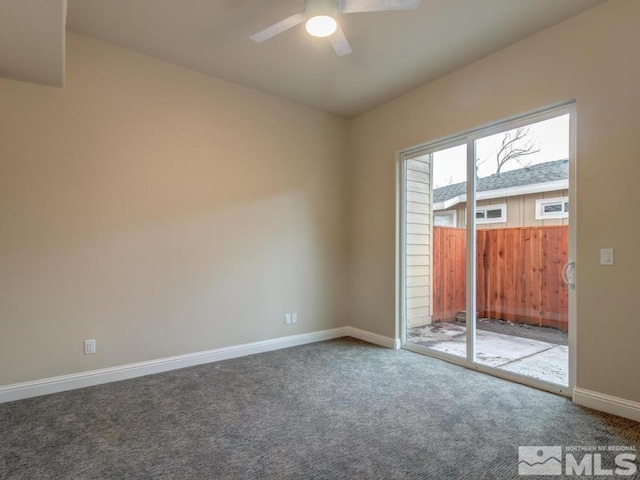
341 409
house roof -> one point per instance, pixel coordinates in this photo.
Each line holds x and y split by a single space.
534 174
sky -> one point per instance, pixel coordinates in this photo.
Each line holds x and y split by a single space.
550 136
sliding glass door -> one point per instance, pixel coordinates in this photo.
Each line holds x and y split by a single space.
484 243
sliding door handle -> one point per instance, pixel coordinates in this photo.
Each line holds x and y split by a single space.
569 274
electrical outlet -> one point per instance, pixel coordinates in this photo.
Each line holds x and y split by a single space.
89 347
287 319
294 318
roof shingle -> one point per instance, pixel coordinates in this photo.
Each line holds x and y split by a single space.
538 173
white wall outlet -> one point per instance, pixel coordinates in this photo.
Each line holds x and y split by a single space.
89 347
294 318
287 319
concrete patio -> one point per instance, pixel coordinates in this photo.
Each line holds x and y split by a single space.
532 357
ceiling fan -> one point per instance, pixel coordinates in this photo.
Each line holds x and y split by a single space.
320 16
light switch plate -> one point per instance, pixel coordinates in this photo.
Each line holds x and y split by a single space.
606 256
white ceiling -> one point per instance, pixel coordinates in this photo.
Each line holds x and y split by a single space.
393 52
32 40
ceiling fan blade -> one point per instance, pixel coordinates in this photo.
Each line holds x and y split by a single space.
357 6
340 43
277 28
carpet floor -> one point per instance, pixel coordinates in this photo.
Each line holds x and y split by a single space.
341 409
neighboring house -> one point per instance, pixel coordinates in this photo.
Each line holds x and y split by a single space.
537 195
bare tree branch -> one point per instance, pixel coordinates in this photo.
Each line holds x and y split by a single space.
514 146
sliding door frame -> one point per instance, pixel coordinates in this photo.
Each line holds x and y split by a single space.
469 138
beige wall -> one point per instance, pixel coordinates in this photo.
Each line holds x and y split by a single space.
164 212
592 58
160 212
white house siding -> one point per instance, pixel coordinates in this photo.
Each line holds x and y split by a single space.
418 241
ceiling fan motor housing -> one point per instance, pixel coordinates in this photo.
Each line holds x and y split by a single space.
321 7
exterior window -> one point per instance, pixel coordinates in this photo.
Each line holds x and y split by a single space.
447 218
491 214
552 208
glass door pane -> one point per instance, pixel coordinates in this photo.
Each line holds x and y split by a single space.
522 227
435 251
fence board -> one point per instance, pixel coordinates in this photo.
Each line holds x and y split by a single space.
519 273
449 252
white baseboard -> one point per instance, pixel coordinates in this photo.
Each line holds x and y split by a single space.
35 388
18 391
373 338
607 403
586 398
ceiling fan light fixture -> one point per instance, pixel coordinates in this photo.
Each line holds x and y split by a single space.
320 17
321 26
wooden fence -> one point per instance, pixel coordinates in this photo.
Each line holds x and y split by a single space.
449 273
519 274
